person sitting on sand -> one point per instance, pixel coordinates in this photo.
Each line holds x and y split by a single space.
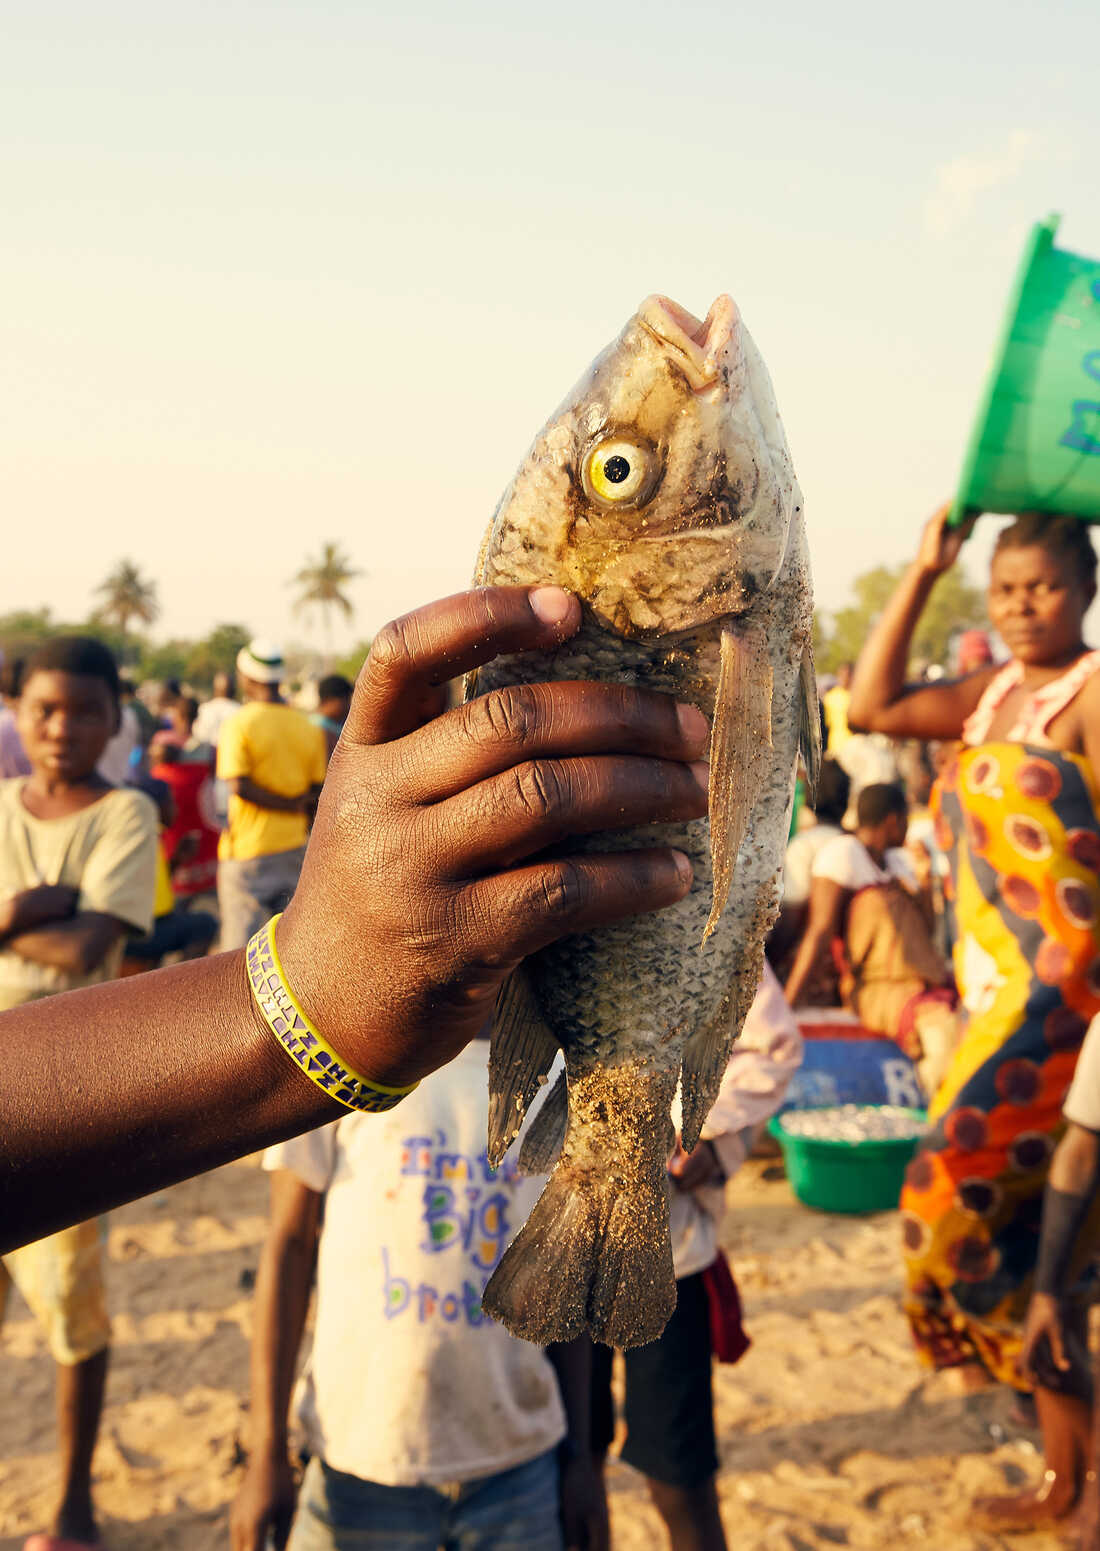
77 864
830 806
427 1424
866 892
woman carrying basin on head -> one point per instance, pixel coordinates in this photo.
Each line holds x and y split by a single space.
1018 812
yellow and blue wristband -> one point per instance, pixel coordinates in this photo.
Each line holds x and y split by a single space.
308 1049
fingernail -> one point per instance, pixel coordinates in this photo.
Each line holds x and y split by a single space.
683 866
693 724
553 605
701 771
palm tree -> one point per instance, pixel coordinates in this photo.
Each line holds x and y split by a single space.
322 583
127 595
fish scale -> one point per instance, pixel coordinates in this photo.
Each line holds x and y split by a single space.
662 494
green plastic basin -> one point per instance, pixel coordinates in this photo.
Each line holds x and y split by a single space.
843 1176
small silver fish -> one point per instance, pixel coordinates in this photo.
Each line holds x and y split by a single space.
662 494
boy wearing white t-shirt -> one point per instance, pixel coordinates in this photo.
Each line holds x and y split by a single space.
426 1422
668 1397
872 858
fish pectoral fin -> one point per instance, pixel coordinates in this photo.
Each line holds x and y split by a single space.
706 1056
741 733
522 1050
809 722
546 1133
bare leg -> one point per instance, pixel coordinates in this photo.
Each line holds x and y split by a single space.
1065 1421
79 1406
967 1379
1087 1523
691 1515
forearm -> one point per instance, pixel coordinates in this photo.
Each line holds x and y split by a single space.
879 678
811 952
47 946
203 1091
281 1304
34 908
73 945
1074 1174
263 797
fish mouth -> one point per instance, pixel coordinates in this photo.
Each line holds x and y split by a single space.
697 346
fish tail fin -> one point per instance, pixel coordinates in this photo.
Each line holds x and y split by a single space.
595 1253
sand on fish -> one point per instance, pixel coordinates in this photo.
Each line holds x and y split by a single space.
829 1434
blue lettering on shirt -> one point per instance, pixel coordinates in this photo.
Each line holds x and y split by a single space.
465 1216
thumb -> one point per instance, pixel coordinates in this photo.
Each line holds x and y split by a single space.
1057 1347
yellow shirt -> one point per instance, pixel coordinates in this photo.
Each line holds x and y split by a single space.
278 748
835 702
108 851
164 900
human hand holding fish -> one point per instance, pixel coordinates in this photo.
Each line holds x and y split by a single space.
426 881
430 820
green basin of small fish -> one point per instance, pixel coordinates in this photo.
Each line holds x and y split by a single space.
855 1123
662 494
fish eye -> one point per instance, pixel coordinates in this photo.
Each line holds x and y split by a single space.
619 472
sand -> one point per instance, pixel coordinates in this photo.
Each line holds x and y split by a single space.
829 1434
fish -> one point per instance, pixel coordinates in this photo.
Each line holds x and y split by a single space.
662 494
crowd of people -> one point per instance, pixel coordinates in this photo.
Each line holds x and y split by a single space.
942 884
110 841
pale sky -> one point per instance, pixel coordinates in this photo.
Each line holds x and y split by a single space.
278 273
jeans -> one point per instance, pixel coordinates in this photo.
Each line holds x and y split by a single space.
515 1510
251 892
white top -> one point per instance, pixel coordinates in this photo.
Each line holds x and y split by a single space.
847 861
762 1063
409 1382
212 716
1039 708
799 860
1082 1104
114 762
866 759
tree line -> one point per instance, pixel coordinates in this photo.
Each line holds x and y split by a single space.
955 605
128 601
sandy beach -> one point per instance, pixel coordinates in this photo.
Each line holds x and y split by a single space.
829 1434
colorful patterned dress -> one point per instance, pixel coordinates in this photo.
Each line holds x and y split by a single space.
1020 823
